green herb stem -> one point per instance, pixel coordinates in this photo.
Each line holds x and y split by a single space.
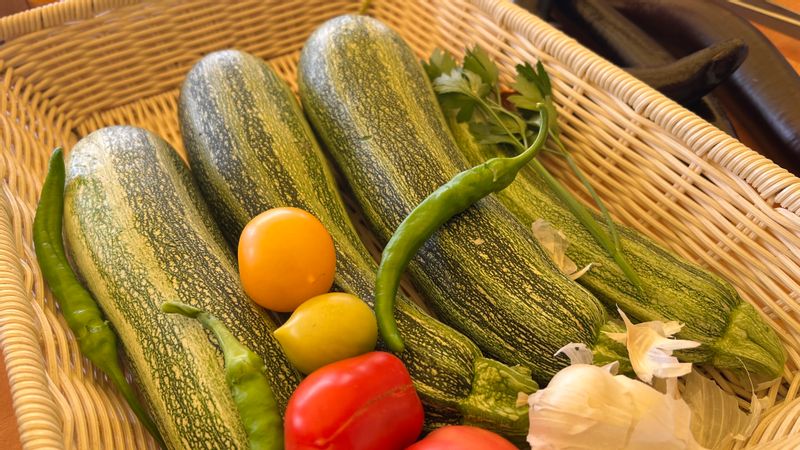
609 241
585 217
612 227
610 244
486 107
466 90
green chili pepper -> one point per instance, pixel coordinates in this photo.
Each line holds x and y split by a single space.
246 376
96 339
453 197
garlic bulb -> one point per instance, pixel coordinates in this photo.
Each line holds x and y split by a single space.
588 407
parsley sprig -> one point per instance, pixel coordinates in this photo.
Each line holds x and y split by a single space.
472 92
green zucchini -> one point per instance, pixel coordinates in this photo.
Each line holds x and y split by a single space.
732 334
251 149
141 235
482 272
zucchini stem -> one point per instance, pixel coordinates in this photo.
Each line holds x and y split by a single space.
364 7
495 390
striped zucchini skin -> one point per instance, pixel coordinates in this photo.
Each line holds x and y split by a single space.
251 149
483 273
140 234
733 334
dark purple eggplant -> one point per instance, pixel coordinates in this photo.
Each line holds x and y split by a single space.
628 45
539 7
766 85
694 76
685 80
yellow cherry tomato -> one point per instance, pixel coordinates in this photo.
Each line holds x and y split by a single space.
286 256
328 328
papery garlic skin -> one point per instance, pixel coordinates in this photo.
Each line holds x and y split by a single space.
586 407
555 244
650 348
577 353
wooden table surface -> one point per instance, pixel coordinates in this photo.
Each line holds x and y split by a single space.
9 437
788 45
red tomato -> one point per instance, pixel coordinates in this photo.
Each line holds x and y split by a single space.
286 256
362 403
462 437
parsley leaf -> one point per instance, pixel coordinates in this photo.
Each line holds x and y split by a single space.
440 62
462 82
471 93
486 133
460 91
478 62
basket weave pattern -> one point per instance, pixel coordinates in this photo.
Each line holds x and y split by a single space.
70 68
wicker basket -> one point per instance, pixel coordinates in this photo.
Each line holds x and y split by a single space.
70 68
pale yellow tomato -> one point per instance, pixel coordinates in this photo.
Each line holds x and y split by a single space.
326 329
286 256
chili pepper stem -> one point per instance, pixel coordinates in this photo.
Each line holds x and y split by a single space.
118 378
453 197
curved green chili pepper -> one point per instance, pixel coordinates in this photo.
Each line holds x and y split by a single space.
246 376
453 197
96 339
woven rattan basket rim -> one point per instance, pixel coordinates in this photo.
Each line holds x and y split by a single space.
770 181
55 14
766 177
